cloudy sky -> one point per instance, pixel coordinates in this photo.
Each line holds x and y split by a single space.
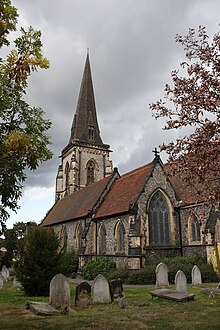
132 52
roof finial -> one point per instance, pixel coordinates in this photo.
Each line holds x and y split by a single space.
156 153
87 50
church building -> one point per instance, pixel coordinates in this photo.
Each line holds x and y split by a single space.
130 218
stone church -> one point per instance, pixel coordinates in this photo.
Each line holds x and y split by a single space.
129 218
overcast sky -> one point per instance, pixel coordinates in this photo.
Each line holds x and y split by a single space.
132 52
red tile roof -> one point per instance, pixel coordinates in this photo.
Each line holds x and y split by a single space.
124 192
76 205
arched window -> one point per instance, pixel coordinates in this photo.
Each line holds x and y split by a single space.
195 227
67 183
78 238
90 172
102 239
120 238
159 232
63 239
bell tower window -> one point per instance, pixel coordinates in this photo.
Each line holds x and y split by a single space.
91 132
90 172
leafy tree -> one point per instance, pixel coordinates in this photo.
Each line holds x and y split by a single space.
38 261
193 101
12 238
23 139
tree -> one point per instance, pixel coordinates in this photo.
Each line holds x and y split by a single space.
23 139
194 101
13 238
38 261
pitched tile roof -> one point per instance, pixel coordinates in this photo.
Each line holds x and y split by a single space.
124 192
76 205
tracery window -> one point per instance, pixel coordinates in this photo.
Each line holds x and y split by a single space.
90 172
195 227
159 231
102 239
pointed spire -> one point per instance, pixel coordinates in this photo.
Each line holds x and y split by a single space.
85 125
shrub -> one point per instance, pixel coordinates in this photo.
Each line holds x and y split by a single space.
38 261
147 275
120 272
96 267
144 275
68 264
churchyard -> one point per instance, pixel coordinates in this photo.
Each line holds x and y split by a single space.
142 311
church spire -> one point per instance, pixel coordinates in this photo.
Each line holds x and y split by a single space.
85 125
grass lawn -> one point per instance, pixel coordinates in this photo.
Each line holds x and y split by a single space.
142 312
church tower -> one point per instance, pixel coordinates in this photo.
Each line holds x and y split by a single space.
85 159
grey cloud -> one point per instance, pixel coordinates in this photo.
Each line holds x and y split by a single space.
132 52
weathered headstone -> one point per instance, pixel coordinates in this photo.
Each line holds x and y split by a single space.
1 281
180 282
59 292
122 303
162 276
196 276
40 308
116 289
5 272
16 283
83 294
100 290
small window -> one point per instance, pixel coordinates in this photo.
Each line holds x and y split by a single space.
120 241
90 172
67 183
196 235
91 132
78 238
63 238
102 240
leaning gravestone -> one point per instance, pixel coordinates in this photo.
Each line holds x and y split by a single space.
83 294
162 276
180 282
100 290
116 289
59 292
1 281
196 276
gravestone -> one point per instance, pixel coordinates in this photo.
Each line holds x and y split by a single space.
180 282
100 290
40 308
59 292
1 281
5 272
122 303
196 276
17 284
161 276
116 289
83 294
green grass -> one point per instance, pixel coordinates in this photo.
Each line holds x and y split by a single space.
142 312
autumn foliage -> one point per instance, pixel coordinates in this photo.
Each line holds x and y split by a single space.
193 102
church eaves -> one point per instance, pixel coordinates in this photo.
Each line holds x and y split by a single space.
85 127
